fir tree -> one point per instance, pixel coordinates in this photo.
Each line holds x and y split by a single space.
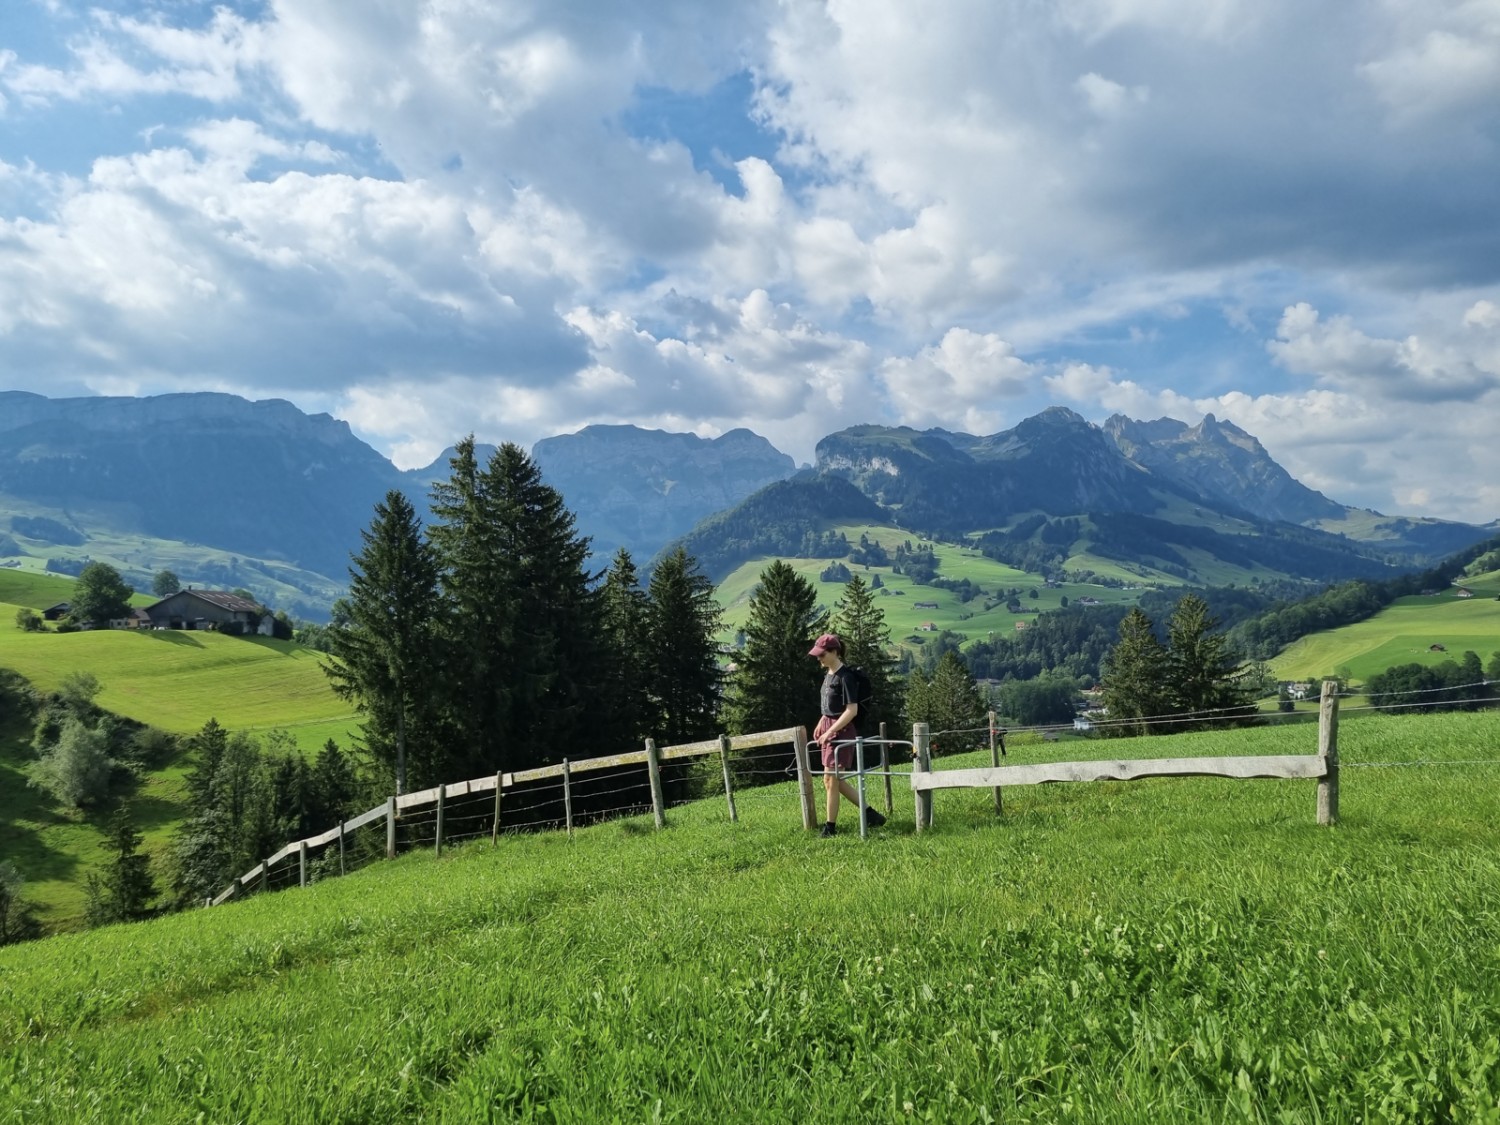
683 666
948 701
625 631
1136 676
1204 673
123 893
476 638
554 660
17 920
860 624
385 640
775 683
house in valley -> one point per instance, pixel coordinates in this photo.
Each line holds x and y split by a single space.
204 609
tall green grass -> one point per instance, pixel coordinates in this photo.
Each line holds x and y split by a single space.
1182 950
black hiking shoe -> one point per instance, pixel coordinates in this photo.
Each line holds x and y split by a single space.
873 818
829 829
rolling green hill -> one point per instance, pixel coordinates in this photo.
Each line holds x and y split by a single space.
175 681
900 595
1172 951
1403 633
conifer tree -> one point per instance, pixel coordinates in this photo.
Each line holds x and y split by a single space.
553 663
625 633
860 624
1136 676
385 640
123 893
948 701
683 667
775 683
1204 672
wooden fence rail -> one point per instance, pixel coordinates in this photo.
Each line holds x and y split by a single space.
1324 766
440 795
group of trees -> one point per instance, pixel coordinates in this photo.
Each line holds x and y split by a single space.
482 643
1453 685
1196 678
248 797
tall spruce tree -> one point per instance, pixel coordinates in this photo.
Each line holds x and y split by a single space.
684 678
860 624
1205 674
385 642
1136 677
775 683
124 891
554 659
625 632
948 701
476 641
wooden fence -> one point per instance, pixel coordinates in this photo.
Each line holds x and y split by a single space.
1324 766
438 797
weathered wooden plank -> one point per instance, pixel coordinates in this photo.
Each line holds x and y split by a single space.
421 797
227 893
765 738
1328 751
365 818
687 750
277 857
804 778
1269 766
612 761
541 773
253 874
323 837
658 799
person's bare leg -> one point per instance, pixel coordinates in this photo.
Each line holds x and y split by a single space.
849 791
833 783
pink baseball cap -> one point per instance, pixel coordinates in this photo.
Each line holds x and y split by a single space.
828 642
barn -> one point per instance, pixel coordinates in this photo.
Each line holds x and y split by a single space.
203 609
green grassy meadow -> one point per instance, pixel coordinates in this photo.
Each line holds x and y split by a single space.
1168 951
175 681
899 602
1403 633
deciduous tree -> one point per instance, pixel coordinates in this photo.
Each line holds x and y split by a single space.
99 595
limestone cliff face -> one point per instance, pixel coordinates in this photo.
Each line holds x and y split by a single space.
261 478
1224 463
640 489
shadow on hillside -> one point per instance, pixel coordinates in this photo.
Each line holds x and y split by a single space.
151 813
34 858
281 648
175 637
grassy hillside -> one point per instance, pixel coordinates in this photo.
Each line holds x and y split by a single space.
1167 951
899 601
1403 633
176 681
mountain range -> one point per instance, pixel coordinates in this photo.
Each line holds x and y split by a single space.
278 497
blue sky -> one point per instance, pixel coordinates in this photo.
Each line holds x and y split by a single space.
429 217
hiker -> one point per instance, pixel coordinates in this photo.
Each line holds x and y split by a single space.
838 728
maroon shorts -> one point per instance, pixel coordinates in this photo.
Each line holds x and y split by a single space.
838 754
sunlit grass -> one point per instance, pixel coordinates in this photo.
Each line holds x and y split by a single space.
1181 950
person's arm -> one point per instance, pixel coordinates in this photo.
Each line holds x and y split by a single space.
850 713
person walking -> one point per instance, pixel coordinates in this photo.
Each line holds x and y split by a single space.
837 729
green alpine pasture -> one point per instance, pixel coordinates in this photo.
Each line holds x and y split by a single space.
1422 629
1167 951
175 681
899 603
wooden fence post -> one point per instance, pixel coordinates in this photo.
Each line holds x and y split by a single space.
341 848
495 827
302 863
734 817
658 802
1328 750
441 803
265 876
804 777
995 761
568 797
922 764
390 828
885 768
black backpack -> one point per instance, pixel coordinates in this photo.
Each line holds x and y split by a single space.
864 690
